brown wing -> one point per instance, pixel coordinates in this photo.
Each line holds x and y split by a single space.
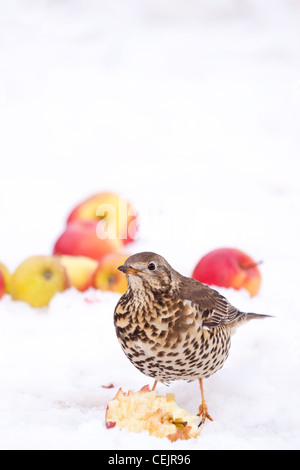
214 309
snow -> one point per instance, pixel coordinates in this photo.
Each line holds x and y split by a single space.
190 110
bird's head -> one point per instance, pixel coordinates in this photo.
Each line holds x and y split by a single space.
148 270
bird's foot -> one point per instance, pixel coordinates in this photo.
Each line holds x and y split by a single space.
203 411
154 386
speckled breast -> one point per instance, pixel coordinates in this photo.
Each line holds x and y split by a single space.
168 348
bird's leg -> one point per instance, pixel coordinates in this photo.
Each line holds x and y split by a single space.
154 386
203 411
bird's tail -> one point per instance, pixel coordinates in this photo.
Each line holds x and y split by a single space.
245 317
253 316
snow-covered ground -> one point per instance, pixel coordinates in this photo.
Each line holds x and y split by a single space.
191 109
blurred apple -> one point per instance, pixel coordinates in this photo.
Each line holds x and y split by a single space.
81 239
2 286
229 267
107 275
38 279
115 211
80 270
7 277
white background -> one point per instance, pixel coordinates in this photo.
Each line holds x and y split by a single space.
190 109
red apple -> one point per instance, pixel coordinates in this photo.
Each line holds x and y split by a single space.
7 277
115 211
80 239
229 267
2 285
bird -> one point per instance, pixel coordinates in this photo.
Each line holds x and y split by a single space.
172 327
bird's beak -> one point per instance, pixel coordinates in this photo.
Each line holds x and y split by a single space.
128 269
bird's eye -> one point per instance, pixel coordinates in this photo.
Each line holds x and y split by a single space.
151 266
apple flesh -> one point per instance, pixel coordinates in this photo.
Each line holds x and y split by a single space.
80 270
37 280
229 267
80 239
146 411
113 210
108 277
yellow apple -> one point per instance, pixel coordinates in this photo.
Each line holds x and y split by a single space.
80 270
7 277
38 279
107 275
